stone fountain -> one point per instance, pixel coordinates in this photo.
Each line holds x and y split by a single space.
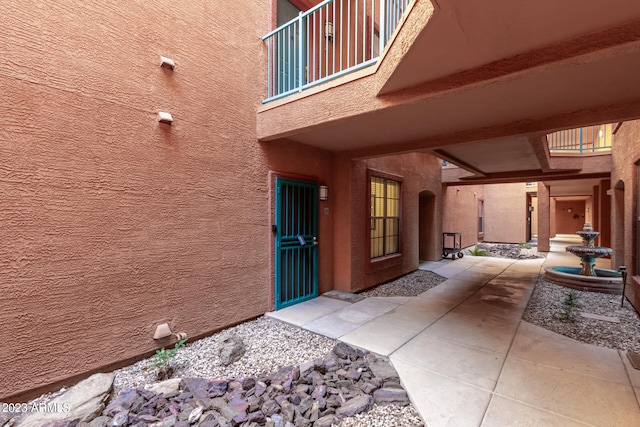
587 277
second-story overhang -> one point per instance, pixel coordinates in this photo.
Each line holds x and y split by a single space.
456 74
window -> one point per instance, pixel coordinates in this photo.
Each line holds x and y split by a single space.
385 217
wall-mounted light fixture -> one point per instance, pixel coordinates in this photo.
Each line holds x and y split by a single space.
328 30
167 63
323 193
164 117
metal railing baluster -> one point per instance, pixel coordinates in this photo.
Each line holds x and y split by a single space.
303 52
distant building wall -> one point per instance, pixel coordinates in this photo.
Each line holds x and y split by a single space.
570 216
624 177
506 213
460 211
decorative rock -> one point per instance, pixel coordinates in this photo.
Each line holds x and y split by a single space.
167 386
287 410
270 407
278 421
384 370
85 401
169 421
326 421
345 351
345 383
195 415
101 421
391 396
120 419
217 388
231 350
355 406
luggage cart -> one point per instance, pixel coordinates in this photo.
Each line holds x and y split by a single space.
455 240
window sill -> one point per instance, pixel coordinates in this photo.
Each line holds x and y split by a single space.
385 262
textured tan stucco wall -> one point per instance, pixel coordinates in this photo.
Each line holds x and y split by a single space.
112 223
460 212
625 156
566 222
421 172
505 212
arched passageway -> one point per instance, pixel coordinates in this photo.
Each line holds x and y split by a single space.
428 242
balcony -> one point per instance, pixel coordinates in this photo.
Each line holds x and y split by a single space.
331 39
584 140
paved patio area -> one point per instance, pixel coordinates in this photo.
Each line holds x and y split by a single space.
467 359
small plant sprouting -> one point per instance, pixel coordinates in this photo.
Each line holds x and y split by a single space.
570 305
162 360
476 251
524 245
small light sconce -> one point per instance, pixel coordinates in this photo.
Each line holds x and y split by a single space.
323 193
328 30
167 63
569 210
164 117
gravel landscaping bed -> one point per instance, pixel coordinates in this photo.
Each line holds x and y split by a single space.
410 285
547 305
270 346
508 250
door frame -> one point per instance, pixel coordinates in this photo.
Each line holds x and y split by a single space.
310 260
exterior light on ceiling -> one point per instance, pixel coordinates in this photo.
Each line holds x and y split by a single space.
323 193
328 30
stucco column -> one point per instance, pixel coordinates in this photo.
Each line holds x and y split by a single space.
544 225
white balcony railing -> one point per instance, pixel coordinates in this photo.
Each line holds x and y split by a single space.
329 40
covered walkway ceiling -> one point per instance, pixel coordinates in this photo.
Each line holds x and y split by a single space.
479 84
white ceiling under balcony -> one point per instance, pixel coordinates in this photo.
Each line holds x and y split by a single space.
478 83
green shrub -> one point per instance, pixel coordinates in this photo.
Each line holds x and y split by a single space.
162 360
476 251
570 306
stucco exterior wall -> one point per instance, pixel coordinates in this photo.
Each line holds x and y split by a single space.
506 213
420 173
625 156
570 216
460 212
113 223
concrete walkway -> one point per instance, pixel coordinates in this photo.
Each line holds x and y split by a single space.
467 359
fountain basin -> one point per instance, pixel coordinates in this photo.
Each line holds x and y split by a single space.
605 281
589 252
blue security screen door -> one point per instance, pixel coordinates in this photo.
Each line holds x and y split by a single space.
296 249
